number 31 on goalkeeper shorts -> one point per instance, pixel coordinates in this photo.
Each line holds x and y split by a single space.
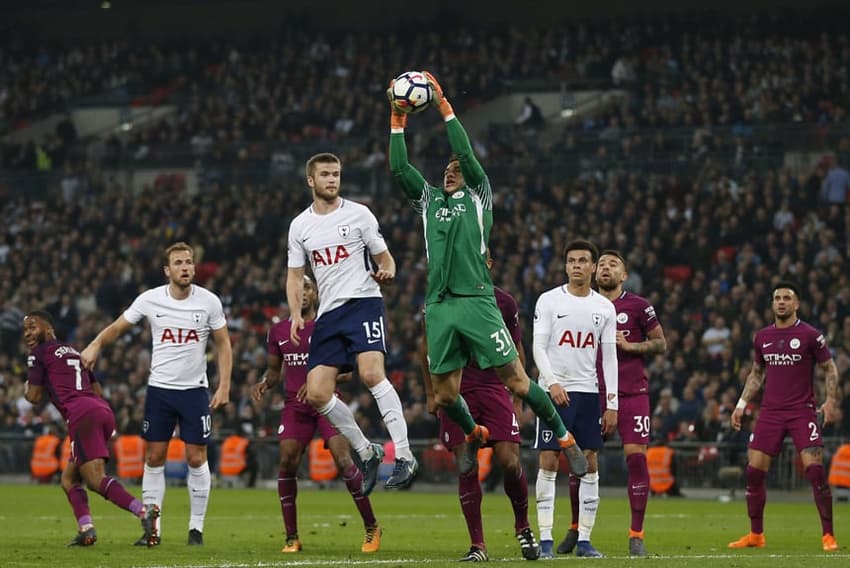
504 343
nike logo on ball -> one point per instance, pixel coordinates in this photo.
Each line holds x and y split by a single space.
559 316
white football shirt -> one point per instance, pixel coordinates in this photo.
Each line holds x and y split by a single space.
179 330
571 329
339 246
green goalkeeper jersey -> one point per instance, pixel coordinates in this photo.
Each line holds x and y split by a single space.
457 226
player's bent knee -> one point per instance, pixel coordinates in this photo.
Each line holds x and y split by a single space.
446 398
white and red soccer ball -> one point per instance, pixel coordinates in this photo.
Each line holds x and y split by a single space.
411 92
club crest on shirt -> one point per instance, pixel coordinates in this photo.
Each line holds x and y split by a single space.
597 319
622 317
344 230
197 317
794 343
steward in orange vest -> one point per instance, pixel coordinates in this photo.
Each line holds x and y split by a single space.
322 466
233 455
660 462
44 463
839 469
130 456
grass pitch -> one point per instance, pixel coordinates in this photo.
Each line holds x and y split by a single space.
244 528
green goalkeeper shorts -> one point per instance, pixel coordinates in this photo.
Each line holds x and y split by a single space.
461 329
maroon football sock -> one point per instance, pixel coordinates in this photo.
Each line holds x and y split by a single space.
114 492
353 478
823 495
516 488
287 490
756 498
575 482
638 488
79 500
469 491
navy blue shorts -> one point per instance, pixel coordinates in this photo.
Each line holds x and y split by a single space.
166 408
581 418
355 327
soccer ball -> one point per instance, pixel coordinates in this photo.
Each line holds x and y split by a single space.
411 92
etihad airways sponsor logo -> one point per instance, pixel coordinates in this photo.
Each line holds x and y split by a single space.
782 359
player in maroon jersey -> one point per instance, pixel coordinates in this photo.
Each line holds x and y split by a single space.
299 421
785 354
638 334
55 367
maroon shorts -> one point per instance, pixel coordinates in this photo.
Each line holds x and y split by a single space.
633 419
771 426
490 405
90 434
299 421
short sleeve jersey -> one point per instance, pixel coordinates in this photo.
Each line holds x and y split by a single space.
294 357
56 367
789 356
179 330
339 247
572 328
635 318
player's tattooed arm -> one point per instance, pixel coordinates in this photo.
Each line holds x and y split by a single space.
831 409
754 382
830 371
655 342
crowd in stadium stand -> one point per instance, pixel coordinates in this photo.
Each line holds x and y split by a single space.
704 239
715 79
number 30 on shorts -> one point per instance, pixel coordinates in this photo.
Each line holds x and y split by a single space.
504 343
642 425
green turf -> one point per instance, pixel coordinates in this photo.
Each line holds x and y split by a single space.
244 528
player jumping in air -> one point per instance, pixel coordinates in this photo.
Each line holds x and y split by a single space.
463 322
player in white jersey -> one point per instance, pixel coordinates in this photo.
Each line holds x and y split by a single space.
182 316
571 323
342 243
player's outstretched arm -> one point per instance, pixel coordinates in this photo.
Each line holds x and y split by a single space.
471 168
224 353
107 336
409 178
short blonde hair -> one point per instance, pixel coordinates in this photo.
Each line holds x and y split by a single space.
322 158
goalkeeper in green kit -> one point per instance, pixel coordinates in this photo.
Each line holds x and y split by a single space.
462 320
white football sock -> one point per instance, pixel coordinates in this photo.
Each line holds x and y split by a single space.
153 490
198 483
343 420
588 499
546 502
389 404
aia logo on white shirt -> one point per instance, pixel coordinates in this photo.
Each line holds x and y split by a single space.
578 339
329 257
179 336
